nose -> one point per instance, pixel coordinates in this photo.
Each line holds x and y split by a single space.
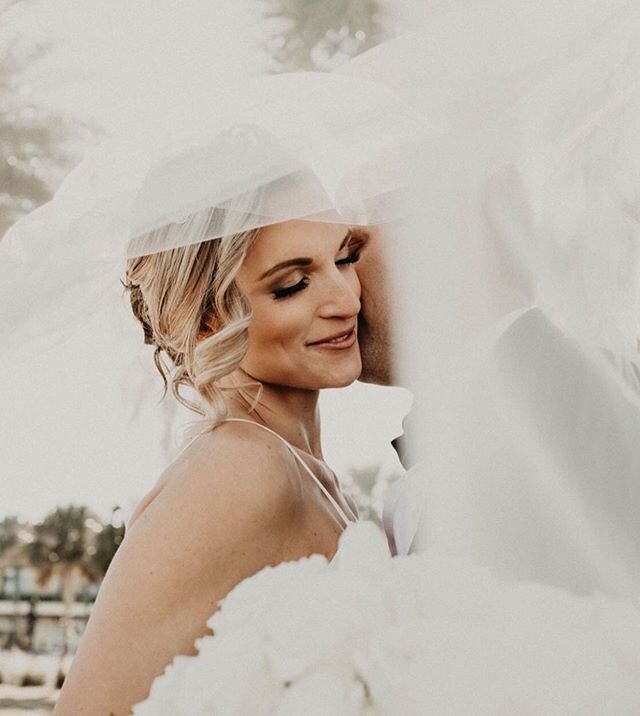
341 294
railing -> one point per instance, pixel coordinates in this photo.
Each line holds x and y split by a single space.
44 608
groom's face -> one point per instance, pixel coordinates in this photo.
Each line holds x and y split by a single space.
374 325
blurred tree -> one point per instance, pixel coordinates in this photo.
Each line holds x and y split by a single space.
34 149
70 544
63 547
107 541
13 537
10 548
9 528
319 35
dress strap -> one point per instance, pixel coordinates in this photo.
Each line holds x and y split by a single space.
339 510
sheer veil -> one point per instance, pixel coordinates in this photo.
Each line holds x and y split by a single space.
519 329
304 145
499 147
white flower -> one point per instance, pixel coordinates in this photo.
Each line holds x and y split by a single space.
323 693
363 549
335 608
230 675
163 698
368 635
252 599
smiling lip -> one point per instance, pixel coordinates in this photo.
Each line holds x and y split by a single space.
337 341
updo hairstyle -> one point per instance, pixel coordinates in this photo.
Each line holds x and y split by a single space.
191 309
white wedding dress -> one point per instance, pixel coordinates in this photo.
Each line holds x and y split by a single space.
517 262
530 463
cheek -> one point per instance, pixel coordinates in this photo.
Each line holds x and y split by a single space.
354 280
276 326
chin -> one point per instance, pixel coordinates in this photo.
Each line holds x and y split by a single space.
317 377
341 379
341 383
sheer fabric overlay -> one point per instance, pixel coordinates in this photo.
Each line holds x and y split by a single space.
520 327
315 146
499 147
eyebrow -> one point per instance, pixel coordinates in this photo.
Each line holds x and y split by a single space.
302 260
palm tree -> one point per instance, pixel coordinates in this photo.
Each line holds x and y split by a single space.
62 548
9 529
12 558
11 546
312 36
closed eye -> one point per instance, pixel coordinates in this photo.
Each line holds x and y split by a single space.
279 293
286 291
350 259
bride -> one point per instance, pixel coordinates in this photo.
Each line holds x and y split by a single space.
257 323
521 355
240 241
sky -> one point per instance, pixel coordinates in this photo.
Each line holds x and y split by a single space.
82 422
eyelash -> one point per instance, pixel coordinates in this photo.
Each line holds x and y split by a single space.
350 259
280 293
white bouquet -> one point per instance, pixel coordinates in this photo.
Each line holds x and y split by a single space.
370 634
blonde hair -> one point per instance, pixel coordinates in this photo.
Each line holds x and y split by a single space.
181 294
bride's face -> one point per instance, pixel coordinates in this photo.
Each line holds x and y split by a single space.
300 280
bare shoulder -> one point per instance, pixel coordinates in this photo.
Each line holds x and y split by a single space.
226 510
235 462
238 444
244 461
227 490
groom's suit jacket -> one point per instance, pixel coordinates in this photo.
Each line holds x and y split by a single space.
529 464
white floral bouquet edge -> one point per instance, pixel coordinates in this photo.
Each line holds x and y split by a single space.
372 635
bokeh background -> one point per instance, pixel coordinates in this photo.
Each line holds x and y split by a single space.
74 464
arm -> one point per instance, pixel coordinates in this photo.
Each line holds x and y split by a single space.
225 513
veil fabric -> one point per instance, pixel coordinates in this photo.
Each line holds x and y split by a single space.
519 329
308 145
499 146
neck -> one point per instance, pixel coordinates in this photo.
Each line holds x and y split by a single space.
291 412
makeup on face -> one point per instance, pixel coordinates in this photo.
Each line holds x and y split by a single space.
305 297
339 341
354 242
